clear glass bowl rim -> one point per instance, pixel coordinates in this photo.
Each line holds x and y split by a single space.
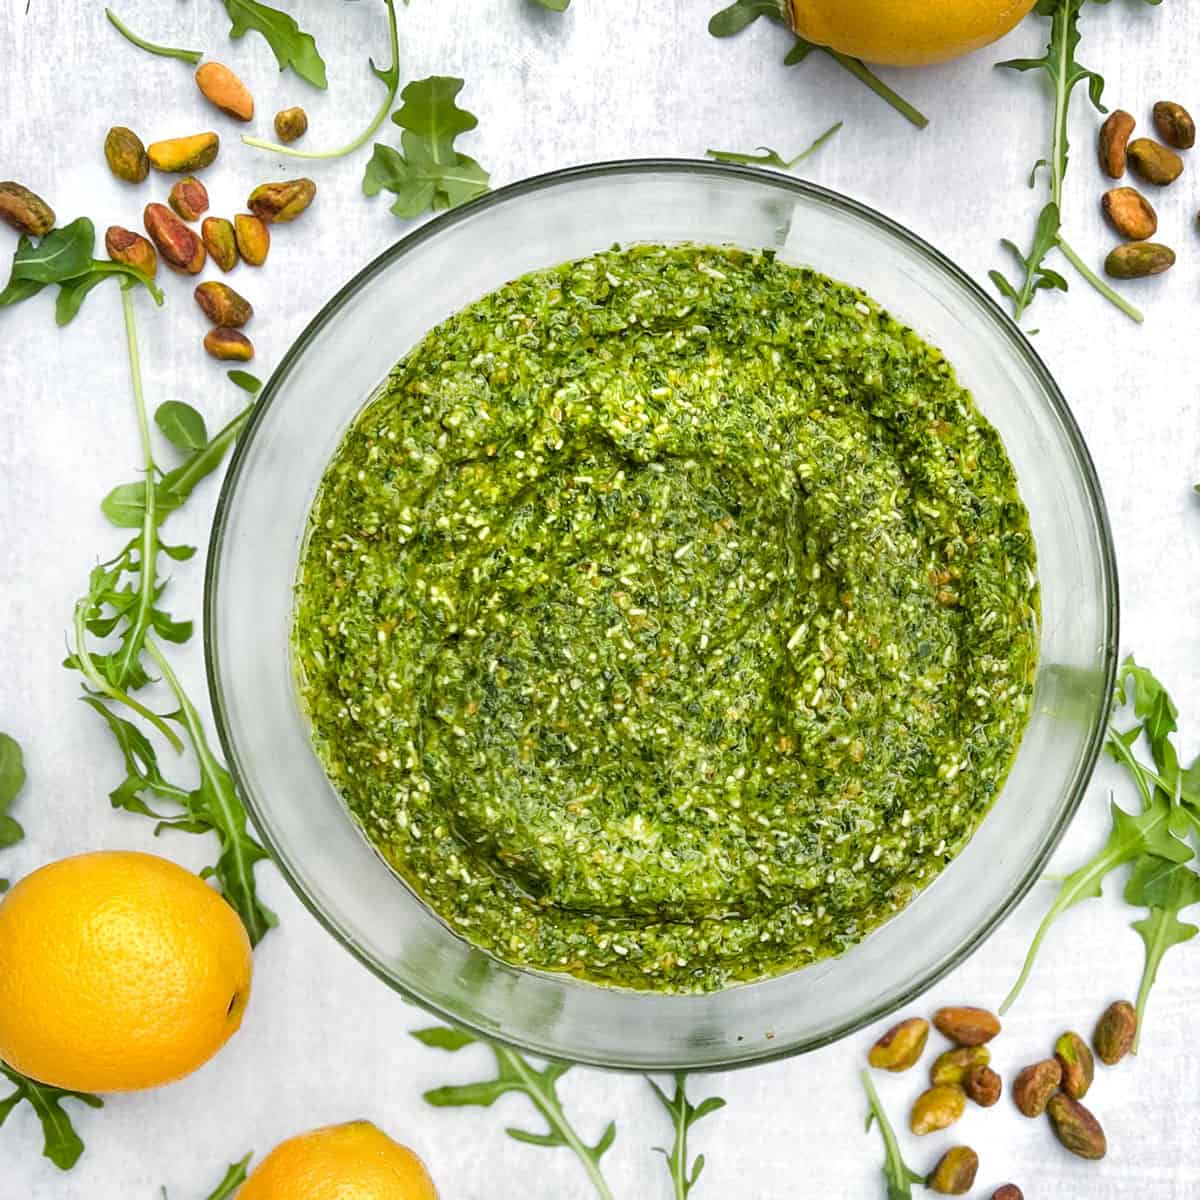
1005 327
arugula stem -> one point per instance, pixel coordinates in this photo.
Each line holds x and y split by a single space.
864 74
1117 746
678 1158
191 56
131 648
391 77
547 1104
1111 295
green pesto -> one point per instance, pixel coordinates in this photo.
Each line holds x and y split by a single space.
669 618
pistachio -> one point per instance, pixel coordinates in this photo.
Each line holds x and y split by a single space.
228 345
955 1173
181 249
1154 163
180 156
222 305
966 1026
1076 1128
982 1085
1130 213
127 158
125 246
1136 260
1009 1191
1033 1087
937 1108
220 241
221 87
253 239
1175 125
1117 1026
901 1047
189 198
24 210
1114 138
1078 1066
290 124
277 203
952 1065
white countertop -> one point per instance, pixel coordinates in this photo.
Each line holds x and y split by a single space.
323 1040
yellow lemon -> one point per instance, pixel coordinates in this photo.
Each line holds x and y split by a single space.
356 1161
118 971
905 33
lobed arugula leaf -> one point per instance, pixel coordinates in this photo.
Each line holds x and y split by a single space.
291 46
897 1174
191 56
1035 275
514 1073
428 173
771 158
12 780
683 1116
235 1176
60 1143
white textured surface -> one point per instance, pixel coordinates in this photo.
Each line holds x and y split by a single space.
324 1041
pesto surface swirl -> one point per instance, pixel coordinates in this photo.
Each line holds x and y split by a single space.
669 618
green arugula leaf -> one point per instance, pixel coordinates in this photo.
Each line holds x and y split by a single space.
514 1073
897 1174
771 158
291 46
12 780
235 1176
182 425
246 381
1132 837
554 5
191 56
1035 275
389 77
683 1116
60 1143
742 13
428 173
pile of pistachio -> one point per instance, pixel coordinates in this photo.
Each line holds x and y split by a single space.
247 238
1156 163
1054 1087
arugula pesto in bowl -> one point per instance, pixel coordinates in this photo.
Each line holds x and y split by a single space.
669 618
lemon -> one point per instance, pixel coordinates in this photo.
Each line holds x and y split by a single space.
905 33
118 971
356 1161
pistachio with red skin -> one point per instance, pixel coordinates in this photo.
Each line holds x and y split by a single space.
951 1066
955 1173
181 156
901 1047
278 203
982 1085
1174 125
1033 1087
189 198
253 239
180 248
24 210
1009 1191
220 241
222 88
1078 1066
290 124
1076 1127
966 1026
1116 1028
126 155
1114 140
937 1108
229 345
125 246
222 305
1154 163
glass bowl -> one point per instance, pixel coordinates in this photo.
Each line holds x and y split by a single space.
334 369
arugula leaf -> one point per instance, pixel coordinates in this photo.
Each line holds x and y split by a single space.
182 425
514 1073
429 173
743 13
235 1176
554 5
246 381
60 1143
1132 837
12 780
291 46
1035 275
390 78
771 158
191 56
683 1116
897 1174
